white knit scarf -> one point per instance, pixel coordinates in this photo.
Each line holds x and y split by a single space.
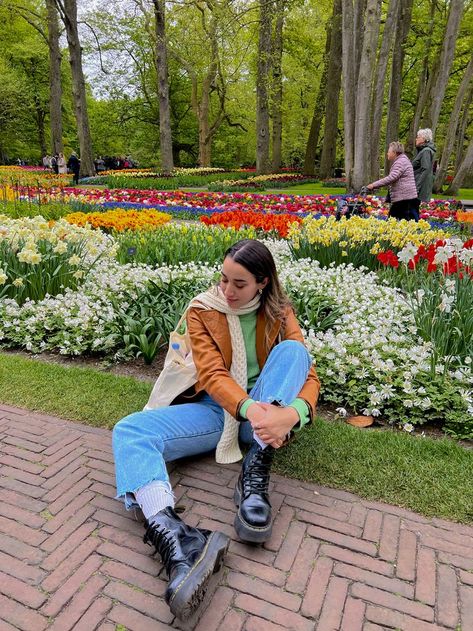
227 449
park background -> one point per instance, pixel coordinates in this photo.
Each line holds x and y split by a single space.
232 84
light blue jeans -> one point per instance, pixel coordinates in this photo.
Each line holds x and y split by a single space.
144 441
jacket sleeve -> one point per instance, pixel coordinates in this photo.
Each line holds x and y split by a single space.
310 390
212 373
394 174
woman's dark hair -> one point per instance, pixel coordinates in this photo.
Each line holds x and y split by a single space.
258 260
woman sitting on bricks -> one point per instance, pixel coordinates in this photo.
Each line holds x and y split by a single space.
255 383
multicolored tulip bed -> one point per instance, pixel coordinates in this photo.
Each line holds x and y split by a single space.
395 342
386 305
186 204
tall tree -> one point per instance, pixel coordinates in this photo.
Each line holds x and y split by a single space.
68 12
394 104
334 76
165 136
348 73
263 164
55 88
425 78
439 85
317 117
377 99
452 127
361 163
461 132
464 169
276 88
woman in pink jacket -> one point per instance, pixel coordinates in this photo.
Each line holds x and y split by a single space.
402 185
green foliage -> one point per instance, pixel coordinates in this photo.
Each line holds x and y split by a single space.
143 323
169 183
443 313
43 270
314 311
173 244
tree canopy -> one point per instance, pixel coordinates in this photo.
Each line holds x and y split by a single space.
231 64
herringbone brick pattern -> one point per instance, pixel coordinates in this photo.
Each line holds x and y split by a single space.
72 558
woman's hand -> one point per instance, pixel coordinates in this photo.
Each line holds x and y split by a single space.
272 423
370 187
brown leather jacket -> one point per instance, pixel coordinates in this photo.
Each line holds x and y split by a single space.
212 354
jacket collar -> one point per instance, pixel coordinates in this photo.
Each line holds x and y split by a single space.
217 326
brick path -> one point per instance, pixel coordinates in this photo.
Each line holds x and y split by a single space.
72 558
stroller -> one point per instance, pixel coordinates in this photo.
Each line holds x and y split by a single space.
350 209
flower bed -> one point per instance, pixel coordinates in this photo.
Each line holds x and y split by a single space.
120 220
274 180
38 259
356 240
267 222
370 341
204 202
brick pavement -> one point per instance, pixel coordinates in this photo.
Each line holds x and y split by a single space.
72 558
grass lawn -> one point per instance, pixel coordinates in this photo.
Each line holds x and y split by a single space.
433 477
318 189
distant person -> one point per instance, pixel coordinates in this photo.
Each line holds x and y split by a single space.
401 182
99 164
47 161
73 164
423 164
61 163
54 164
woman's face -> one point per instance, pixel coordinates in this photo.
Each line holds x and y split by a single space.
391 154
419 140
238 285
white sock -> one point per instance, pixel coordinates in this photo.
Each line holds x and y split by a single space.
154 497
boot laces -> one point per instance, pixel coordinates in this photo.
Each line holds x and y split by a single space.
163 541
256 476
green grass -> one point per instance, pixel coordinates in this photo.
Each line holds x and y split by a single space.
318 189
78 394
432 477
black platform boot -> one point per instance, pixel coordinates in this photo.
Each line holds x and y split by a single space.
253 521
190 556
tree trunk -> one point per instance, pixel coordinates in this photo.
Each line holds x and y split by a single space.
55 89
361 165
452 127
334 77
40 116
348 73
465 167
358 33
165 136
277 84
424 81
446 58
68 12
203 119
377 99
320 100
262 84
394 106
465 119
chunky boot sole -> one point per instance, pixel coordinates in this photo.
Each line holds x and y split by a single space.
245 531
190 592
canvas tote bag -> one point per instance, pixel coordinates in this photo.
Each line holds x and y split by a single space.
178 373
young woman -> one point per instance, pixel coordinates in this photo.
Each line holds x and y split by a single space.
255 383
402 186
